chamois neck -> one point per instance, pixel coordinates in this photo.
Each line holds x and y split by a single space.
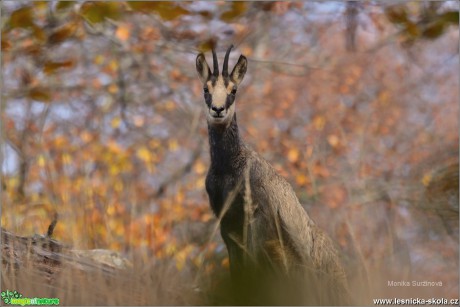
225 145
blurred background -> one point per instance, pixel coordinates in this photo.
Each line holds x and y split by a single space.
354 103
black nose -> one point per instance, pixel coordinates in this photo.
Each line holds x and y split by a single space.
217 110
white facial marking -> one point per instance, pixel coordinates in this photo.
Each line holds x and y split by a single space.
219 95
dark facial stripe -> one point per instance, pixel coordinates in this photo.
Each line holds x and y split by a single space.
229 101
208 99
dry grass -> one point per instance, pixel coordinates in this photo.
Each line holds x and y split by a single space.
144 284
161 283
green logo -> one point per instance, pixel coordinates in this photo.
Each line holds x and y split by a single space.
16 298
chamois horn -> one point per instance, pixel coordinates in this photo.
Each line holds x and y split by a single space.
215 63
225 68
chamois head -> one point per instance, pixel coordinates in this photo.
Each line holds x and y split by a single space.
220 89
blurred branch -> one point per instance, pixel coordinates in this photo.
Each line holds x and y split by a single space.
24 163
122 93
181 172
292 69
51 227
351 22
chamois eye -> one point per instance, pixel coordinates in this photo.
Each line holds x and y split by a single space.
234 91
206 91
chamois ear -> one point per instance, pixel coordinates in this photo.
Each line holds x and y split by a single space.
202 68
239 70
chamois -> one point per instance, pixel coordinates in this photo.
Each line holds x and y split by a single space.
277 254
